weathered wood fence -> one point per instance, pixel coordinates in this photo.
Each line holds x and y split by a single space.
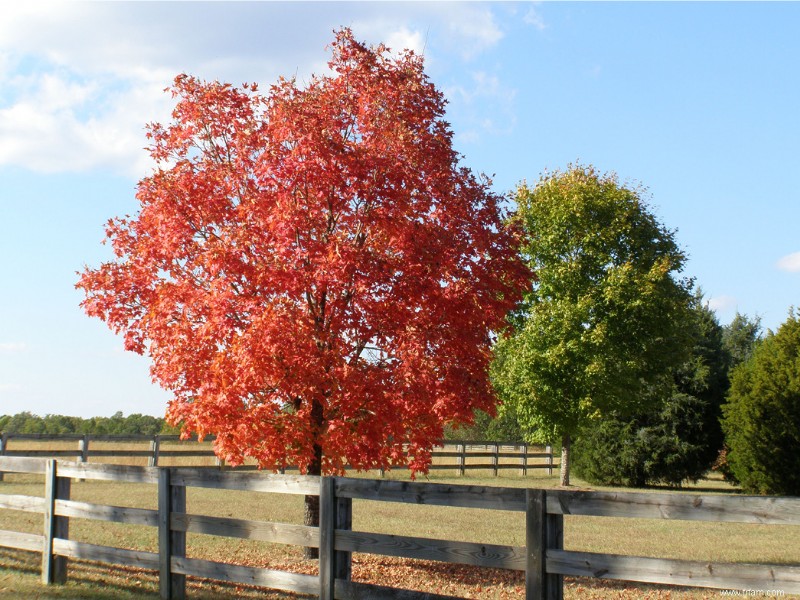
543 559
457 456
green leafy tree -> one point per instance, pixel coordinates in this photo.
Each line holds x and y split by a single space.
762 417
604 321
679 437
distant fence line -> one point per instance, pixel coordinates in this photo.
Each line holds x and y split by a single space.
543 558
460 456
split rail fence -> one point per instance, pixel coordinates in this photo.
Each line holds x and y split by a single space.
543 558
458 456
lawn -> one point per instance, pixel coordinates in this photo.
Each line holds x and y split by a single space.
717 542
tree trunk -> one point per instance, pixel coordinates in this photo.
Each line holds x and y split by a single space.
565 460
311 504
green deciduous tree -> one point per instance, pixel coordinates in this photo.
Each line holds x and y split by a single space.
605 319
762 417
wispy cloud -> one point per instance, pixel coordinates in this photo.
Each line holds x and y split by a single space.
13 347
475 29
789 263
534 18
485 107
722 303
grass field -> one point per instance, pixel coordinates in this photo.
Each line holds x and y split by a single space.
718 542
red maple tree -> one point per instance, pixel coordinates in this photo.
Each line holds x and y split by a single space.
311 272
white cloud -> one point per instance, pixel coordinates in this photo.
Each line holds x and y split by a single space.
532 17
475 30
789 263
487 95
722 304
13 347
79 80
405 39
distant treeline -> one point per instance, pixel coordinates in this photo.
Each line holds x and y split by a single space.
117 424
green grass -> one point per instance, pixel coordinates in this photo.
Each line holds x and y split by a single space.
713 542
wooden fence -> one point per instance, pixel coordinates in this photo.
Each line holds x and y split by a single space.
543 559
456 456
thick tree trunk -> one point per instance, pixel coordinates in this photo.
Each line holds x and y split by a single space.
565 460
311 505
311 518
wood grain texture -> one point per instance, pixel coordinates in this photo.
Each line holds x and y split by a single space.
16 464
535 545
211 477
122 473
280 533
48 566
278 580
465 553
21 541
439 494
24 503
675 572
691 507
177 539
327 537
102 512
164 539
106 554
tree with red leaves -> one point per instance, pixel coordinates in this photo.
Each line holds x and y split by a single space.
313 275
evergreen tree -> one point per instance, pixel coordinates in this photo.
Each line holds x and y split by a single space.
681 437
762 417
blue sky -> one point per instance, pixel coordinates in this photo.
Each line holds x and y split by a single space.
696 101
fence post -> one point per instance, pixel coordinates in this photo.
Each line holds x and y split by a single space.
152 460
462 459
83 446
170 543
524 459
327 533
54 568
535 544
3 442
496 458
343 561
549 451
554 533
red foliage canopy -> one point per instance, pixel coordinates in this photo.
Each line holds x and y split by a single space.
312 273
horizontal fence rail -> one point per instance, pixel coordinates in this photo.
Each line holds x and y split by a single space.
543 559
459 456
